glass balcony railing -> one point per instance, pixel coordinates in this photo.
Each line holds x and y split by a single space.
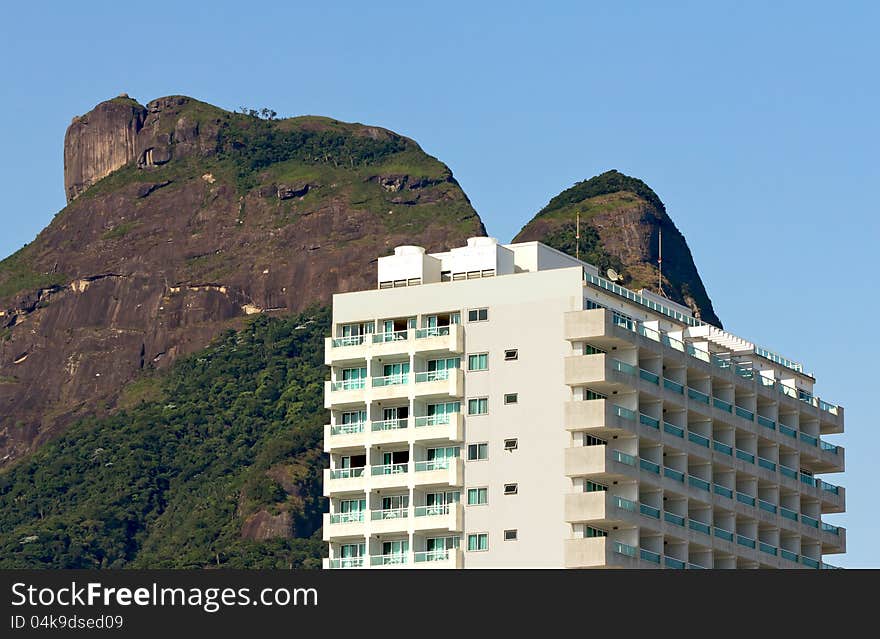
432 511
745 414
788 472
723 534
351 428
649 511
767 548
433 464
809 563
650 333
787 430
648 376
433 376
647 420
823 445
651 467
743 455
698 439
766 463
722 448
623 367
699 353
766 422
834 530
391 336
767 506
623 321
649 555
809 439
391 380
432 555
699 526
349 340
673 386
809 521
395 559
698 396
625 413
787 554
831 488
347 562
829 408
347 518
434 420
696 482
624 549
722 405
672 429
346 473
672 562
623 458
677 475
671 342
434 331
672 518
389 469
390 513
787 513
348 384
718 489
742 540
624 504
389 424
742 498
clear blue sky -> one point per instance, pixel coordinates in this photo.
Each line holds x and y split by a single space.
755 122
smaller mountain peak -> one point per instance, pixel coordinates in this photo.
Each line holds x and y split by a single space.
612 181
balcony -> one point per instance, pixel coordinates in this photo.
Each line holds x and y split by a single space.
596 552
439 472
389 476
597 413
349 524
390 387
349 392
441 517
439 428
434 428
439 384
345 480
423 340
392 520
449 558
587 369
344 562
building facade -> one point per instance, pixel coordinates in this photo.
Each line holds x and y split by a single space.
505 406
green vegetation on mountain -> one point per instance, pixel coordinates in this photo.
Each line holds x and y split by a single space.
612 181
170 481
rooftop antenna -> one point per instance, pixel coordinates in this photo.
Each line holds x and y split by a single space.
577 237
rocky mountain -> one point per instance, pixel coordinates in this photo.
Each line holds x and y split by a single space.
621 219
184 219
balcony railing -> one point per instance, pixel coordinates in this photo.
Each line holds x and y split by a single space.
391 380
433 376
390 424
347 562
698 439
441 419
742 540
699 396
391 336
431 555
745 456
766 422
349 340
767 548
647 420
389 513
672 518
718 489
650 511
722 448
434 331
745 499
389 469
766 463
388 560
348 384
351 428
432 511
696 482
347 518
672 429
623 458
647 464
433 464
673 386
677 475
346 473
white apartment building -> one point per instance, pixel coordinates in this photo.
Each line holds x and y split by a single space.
505 406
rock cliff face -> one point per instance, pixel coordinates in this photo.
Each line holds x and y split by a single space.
202 218
621 219
98 143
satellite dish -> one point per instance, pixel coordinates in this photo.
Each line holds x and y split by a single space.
612 275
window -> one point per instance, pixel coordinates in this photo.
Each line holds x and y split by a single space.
589 349
478 406
478 542
511 398
593 487
591 394
511 444
511 489
511 354
478 314
510 535
589 531
477 496
590 440
590 304
478 362
478 451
